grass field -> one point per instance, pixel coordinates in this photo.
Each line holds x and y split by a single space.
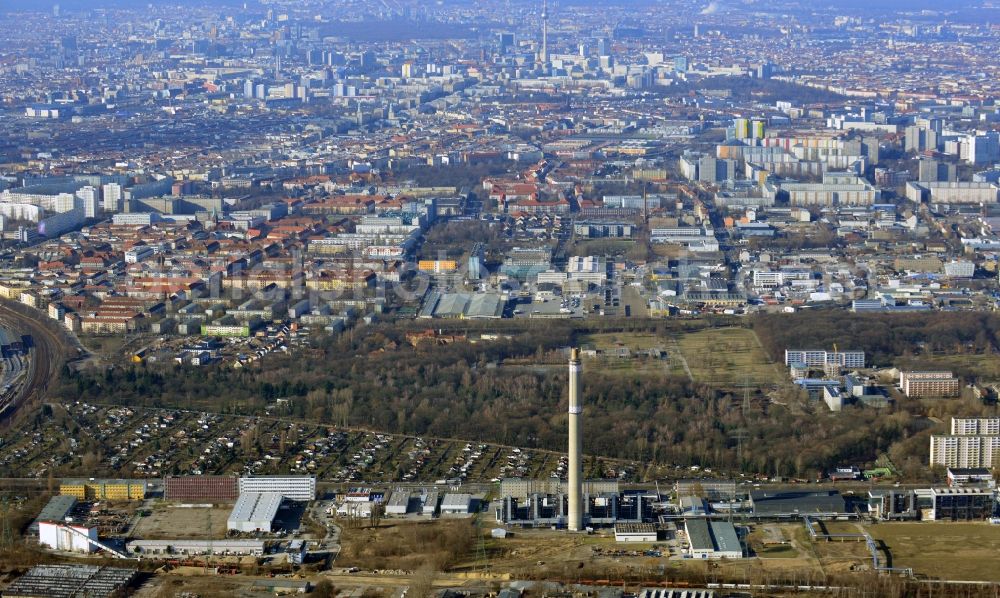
728 357
954 551
724 357
634 342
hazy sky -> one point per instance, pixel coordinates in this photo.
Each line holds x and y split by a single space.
839 5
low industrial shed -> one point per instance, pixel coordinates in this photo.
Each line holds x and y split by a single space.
456 504
712 539
218 547
796 503
399 503
635 532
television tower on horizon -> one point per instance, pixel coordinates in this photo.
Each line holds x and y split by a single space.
543 56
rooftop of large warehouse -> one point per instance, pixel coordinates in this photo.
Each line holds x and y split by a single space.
256 506
770 502
720 536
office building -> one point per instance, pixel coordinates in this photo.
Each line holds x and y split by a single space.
506 42
980 477
291 487
604 47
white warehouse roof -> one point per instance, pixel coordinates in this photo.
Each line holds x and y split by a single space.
456 502
252 508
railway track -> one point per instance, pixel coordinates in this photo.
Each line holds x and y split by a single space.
48 351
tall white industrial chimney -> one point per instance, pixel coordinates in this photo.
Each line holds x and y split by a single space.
575 522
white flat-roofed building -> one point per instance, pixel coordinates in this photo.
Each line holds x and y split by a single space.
456 503
290 487
825 359
635 532
254 512
430 503
399 503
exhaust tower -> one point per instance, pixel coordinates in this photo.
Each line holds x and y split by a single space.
575 521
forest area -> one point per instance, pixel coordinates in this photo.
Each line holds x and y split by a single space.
883 337
513 391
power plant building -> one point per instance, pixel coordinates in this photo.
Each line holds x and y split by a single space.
522 488
959 504
600 509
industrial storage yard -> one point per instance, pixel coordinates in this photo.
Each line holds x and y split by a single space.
169 521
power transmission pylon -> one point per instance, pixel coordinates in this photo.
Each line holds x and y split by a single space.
740 435
6 534
481 556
